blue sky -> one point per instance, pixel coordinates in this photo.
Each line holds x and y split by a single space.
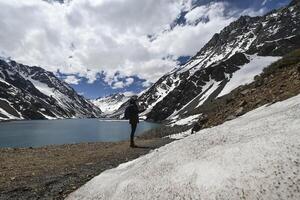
101 88
101 47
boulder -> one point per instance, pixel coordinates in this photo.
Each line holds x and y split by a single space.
239 111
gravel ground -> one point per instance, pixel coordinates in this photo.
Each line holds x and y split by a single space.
52 172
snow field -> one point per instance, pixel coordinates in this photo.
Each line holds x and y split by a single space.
256 156
247 72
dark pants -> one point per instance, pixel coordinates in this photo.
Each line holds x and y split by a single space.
133 128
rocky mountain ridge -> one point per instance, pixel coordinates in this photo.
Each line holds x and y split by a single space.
278 82
34 93
243 48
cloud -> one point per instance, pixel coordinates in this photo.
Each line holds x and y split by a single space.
129 93
72 80
129 81
146 84
109 37
117 83
187 40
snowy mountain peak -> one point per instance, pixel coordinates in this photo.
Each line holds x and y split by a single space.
34 93
111 103
247 45
116 96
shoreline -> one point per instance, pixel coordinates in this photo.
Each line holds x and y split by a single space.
100 119
54 171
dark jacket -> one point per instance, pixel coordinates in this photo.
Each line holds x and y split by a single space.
133 113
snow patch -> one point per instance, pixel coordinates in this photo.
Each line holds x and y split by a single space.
47 116
179 136
108 105
255 156
9 116
186 121
209 89
247 72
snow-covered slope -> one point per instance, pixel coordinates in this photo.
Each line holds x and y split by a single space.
231 58
33 93
255 156
111 103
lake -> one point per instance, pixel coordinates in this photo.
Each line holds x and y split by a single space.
38 133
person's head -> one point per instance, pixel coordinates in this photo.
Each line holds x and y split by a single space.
132 101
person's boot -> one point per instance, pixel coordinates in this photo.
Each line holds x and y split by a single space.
132 145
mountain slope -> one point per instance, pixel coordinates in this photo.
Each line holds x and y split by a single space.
33 93
277 82
247 45
111 103
255 156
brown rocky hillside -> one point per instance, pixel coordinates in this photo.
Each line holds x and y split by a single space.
279 81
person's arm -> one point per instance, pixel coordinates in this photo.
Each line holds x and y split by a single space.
136 109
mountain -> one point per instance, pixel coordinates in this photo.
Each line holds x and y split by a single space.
111 103
33 93
230 59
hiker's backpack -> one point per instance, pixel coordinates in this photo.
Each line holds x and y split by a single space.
127 113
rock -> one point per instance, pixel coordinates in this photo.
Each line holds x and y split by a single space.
282 86
229 100
230 117
203 118
239 111
258 83
258 101
89 163
196 127
242 103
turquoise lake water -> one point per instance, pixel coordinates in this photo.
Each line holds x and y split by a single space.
38 133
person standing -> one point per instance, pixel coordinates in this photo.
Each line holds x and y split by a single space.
132 113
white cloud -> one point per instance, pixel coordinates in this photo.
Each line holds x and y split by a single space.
88 37
146 84
187 40
129 81
72 80
117 84
129 93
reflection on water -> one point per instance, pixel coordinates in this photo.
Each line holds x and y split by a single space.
45 132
